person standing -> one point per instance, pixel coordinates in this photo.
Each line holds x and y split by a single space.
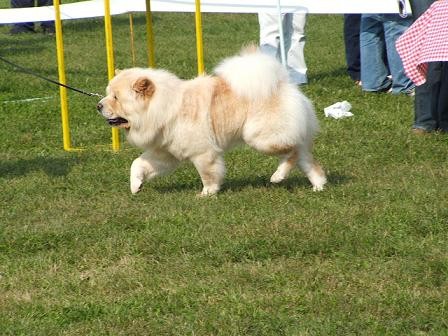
352 25
431 97
28 27
294 36
378 35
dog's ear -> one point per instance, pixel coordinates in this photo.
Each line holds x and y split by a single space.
144 87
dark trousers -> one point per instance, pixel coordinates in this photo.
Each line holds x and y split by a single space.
352 24
32 3
442 104
419 7
431 98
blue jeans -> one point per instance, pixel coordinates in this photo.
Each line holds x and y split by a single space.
379 57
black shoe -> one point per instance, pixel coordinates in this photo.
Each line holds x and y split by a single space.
387 89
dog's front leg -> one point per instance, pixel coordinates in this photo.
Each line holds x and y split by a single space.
147 167
211 168
140 170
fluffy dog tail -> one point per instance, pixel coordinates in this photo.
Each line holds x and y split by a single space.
252 74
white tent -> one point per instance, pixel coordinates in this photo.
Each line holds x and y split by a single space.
95 8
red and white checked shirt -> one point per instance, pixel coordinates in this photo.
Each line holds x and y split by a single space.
425 41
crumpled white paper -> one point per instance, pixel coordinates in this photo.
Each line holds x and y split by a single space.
339 110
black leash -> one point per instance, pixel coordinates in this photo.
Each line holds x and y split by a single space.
32 73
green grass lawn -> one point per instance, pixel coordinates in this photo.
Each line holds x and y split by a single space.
80 255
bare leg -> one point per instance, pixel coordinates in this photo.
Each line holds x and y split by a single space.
211 168
148 166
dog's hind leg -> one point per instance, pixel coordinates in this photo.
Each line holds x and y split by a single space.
287 163
288 153
211 168
146 167
311 169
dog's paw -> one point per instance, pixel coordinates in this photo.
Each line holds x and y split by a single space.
318 179
318 187
319 183
209 191
136 186
277 177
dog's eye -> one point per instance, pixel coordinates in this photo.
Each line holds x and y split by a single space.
115 97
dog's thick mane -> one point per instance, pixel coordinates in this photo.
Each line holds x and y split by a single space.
166 84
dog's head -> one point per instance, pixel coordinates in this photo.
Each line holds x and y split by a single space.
128 93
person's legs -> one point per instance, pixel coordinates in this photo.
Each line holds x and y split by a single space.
26 26
426 100
394 27
442 103
47 26
352 24
269 34
294 26
424 103
372 45
423 115
419 7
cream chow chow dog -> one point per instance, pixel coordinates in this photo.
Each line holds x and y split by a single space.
248 99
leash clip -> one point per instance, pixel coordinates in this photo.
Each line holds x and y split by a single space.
96 95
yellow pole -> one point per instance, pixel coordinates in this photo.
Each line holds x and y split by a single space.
199 45
62 79
110 64
150 35
131 33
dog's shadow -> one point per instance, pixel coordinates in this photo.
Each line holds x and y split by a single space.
232 184
291 183
54 167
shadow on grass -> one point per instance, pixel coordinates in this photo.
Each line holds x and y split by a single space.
291 183
239 184
51 166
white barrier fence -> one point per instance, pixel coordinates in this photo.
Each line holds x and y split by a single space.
95 8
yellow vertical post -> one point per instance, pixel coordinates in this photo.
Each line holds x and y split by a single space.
199 45
110 64
150 35
61 71
131 33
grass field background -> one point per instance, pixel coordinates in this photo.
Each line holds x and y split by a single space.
80 255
